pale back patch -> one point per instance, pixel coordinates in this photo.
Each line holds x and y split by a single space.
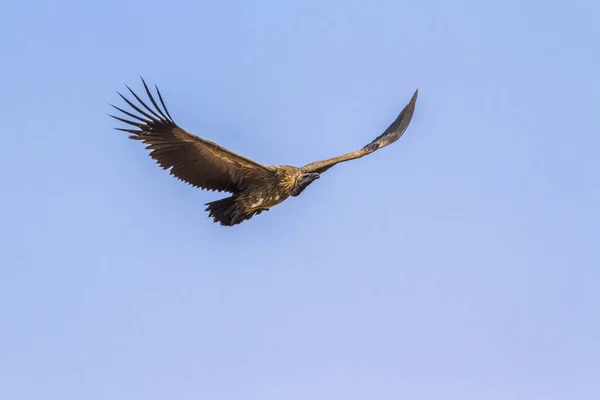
258 203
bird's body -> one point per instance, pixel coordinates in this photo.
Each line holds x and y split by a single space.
257 197
254 187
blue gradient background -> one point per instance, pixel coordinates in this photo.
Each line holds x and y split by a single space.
462 262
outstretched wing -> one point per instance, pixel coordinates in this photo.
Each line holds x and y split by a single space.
194 160
391 134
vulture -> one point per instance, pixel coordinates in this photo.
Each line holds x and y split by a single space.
254 187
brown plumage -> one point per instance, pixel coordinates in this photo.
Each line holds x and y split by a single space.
204 164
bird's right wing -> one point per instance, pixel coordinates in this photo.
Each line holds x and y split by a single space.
391 134
194 160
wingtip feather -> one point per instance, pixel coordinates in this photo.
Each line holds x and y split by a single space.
414 96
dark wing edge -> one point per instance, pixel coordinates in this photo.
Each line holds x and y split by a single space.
194 160
398 127
389 136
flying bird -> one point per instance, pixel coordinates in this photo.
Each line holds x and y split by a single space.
254 187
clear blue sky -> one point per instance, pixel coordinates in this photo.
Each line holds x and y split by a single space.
463 262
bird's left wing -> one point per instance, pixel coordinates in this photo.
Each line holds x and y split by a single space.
391 134
190 158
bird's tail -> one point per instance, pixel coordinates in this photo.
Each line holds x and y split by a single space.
229 212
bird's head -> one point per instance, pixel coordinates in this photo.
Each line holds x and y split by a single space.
302 183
